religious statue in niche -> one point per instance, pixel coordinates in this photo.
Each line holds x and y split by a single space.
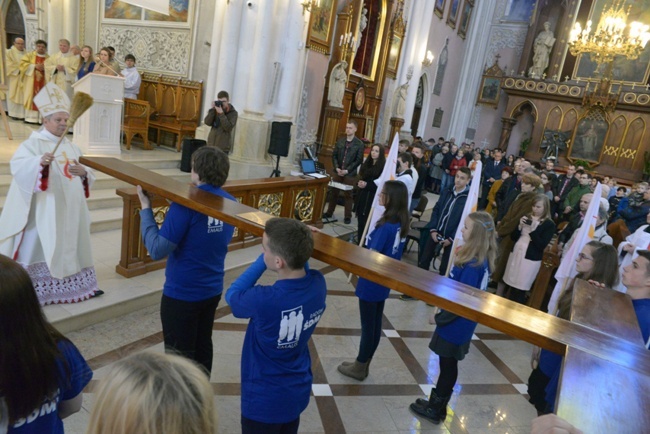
400 101
440 71
542 51
338 81
554 142
363 23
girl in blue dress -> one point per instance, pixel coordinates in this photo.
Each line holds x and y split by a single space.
451 339
387 238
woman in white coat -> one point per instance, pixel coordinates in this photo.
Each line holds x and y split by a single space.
627 250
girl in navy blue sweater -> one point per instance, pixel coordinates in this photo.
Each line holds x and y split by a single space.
451 339
387 238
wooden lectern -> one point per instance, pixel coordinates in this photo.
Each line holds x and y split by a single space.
98 130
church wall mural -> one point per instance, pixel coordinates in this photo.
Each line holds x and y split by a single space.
160 43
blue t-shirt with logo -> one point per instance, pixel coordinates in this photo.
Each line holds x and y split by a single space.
197 247
72 381
276 375
385 239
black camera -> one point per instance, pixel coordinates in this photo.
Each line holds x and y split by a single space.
440 238
528 221
218 103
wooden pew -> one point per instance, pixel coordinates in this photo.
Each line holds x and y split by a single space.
609 354
136 121
175 103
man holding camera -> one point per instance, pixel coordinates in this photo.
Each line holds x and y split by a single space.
222 118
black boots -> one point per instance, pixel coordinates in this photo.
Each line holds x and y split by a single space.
434 410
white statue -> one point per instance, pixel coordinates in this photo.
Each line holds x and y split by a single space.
338 81
363 23
400 101
542 51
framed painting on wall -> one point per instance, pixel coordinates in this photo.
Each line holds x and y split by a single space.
490 90
439 8
393 56
588 138
30 6
321 23
465 16
452 16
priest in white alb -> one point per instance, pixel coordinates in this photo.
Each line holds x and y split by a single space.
45 222
15 98
61 68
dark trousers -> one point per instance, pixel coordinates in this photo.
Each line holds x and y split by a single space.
428 253
187 328
249 426
448 376
371 313
517 295
334 195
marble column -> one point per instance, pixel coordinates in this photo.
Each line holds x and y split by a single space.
219 33
62 22
470 73
293 58
416 45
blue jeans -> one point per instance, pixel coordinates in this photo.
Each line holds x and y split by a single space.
447 181
371 313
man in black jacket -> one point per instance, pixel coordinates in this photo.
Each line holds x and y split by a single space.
346 158
445 218
561 189
491 172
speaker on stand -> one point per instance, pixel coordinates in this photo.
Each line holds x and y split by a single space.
279 146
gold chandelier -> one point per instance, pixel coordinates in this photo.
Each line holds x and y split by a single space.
610 39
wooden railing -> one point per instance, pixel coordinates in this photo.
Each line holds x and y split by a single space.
605 379
295 197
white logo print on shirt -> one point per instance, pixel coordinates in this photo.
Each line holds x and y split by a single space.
290 327
214 225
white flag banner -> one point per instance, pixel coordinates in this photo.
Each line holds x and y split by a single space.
471 205
390 168
585 233
160 6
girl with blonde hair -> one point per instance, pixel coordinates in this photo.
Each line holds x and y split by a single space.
150 393
451 339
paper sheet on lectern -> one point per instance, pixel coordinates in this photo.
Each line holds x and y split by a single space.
160 6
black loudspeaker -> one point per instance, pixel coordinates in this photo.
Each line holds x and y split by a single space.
280 138
189 146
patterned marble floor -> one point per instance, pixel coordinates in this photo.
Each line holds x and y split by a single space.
489 398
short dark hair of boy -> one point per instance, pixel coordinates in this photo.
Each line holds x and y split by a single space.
212 165
223 94
291 240
129 57
623 189
406 157
405 142
466 171
645 254
40 41
420 146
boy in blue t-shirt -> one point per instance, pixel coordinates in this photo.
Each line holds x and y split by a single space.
196 246
276 373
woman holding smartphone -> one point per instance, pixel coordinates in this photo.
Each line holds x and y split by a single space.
531 237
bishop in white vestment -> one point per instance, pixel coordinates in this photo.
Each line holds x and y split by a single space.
45 223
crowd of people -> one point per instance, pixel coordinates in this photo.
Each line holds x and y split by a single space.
522 207
30 71
526 205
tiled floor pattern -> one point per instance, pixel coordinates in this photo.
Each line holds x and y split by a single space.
489 398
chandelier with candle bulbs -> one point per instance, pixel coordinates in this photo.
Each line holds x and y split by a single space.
610 39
